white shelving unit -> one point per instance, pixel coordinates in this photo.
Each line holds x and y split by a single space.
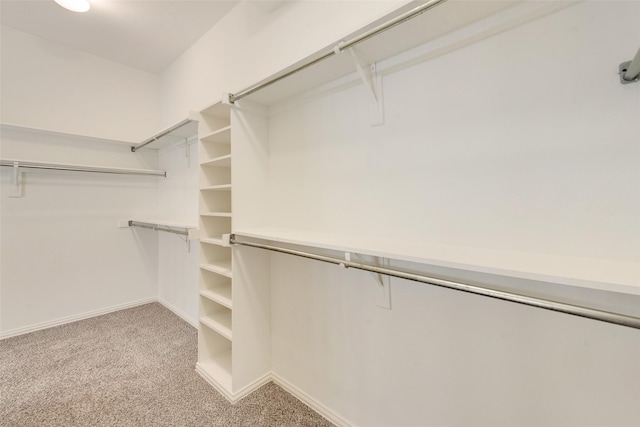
249 154
234 331
216 303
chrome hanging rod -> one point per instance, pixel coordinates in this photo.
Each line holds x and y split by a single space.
25 164
590 313
160 135
233 97
630 70
158 227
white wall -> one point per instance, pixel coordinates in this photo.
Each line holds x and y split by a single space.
495 145
63 255
525 142
178 203
49 86
255 40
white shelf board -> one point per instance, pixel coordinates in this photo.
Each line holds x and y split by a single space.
220 323
431 25
221 187
218 214
602 274
220 294
168 223
218 369
222 161
220 136
218 109
220 267
212 241
8 128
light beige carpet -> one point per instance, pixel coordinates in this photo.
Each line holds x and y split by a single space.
134 367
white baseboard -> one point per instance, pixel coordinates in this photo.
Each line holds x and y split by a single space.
250 388
286 386
181 314
310 402
74 318
233 397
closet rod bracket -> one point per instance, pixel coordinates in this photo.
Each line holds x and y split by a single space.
622 71
629 71
17 181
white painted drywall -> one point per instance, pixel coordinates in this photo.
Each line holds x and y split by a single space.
63 255
525 142
50 86
178 203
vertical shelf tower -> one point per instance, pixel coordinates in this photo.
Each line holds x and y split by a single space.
234 342
216 303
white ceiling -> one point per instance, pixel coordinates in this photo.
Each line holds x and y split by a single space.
145 34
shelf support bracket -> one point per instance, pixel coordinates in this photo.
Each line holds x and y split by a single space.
17 181
373 84
383 296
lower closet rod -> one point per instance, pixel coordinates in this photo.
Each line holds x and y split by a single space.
590 313
25 164
157 227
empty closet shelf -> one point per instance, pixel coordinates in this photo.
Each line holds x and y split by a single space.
602 274
483 290
212 241
220 136
219 294
219 322
220 267
218 214
221 161
221 187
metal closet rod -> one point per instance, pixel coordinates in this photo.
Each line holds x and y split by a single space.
25 164
158 227
590 313
233 97
160 135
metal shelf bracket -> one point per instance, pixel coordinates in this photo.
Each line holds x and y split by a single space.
383 297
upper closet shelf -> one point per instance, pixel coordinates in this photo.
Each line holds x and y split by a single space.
608 275
179 132
446 26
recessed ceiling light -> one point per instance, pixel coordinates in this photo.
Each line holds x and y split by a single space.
75 5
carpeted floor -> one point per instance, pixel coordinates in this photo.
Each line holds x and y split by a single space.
134 367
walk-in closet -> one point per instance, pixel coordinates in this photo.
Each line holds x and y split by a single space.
354 213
